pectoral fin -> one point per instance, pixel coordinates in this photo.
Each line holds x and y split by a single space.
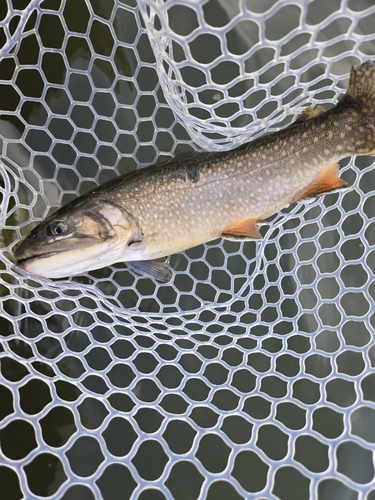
242 231
327 180
158 269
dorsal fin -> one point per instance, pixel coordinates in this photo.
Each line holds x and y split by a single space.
362 84
310 112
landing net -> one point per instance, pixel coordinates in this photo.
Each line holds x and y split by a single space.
252 374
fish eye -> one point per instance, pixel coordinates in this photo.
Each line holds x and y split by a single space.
57 228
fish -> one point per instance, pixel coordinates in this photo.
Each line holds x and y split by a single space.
144 216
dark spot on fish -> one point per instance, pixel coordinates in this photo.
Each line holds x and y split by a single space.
192 171
171 175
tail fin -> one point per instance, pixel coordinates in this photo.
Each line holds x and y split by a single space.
362 85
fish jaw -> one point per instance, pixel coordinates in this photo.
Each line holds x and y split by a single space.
97 256
60 264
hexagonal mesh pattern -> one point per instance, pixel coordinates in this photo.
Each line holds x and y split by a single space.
249 376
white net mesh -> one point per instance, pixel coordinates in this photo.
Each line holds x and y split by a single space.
251 375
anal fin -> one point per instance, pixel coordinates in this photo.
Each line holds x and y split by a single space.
242 231
327 180
158 269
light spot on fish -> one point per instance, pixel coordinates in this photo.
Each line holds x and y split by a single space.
276 147
326 151
339 147
348 127
330 134
336 124
342 135
316 139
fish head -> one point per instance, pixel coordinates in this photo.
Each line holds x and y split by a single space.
84 235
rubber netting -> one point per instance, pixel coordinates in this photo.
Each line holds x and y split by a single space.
252 374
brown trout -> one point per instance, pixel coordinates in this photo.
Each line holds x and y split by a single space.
170 207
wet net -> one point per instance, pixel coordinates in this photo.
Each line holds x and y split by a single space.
252 374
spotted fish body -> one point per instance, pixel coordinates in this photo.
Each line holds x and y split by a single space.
197 197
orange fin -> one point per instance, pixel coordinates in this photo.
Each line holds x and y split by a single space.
242 231
327 180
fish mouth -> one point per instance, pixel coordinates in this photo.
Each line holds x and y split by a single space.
31 257
61 262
